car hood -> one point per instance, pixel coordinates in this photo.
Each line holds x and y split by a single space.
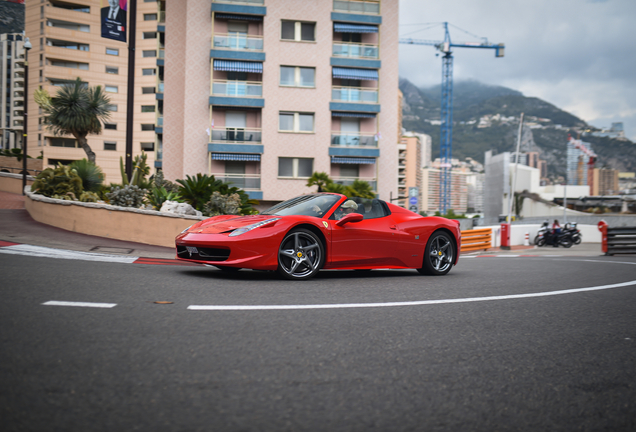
225 223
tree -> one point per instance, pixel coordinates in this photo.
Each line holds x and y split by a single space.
320 179
77 110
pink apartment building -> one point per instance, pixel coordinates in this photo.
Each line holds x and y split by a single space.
262 93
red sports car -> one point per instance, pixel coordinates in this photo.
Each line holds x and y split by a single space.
300 236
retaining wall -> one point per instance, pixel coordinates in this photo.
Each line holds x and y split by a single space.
13 182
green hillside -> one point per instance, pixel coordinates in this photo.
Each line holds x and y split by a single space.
546 131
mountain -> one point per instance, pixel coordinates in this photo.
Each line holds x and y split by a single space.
11 17
487 118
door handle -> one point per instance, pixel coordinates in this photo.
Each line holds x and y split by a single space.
393 227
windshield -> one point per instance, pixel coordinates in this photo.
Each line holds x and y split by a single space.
306 205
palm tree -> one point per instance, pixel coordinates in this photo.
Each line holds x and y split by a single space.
320 179
362 189
76 110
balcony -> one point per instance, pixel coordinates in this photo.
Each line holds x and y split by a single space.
352 139
244 89
242 181
355 50
235 136
348 181
354 94
357 7
246 2
238 41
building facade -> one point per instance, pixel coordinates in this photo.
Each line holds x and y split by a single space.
280 90
605 182
431 181
12 90
67 43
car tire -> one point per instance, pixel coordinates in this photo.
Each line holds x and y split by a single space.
439 255
300 255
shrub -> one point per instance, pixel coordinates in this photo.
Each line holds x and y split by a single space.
128 196
197 191
158 181
91 175
58 181
223 205
157 196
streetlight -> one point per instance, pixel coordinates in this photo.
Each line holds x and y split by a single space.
27 46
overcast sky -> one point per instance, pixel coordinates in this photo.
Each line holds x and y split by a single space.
579 55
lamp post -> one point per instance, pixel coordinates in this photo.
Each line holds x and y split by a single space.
27 46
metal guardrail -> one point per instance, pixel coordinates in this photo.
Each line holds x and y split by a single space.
618 240
476 240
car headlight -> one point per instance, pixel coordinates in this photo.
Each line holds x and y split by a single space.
247 228
186 230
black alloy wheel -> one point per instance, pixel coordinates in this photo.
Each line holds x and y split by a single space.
439 255
301 255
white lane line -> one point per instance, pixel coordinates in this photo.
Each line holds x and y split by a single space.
411 303
79 304
45 252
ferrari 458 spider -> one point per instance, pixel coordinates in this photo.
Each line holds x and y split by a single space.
300 236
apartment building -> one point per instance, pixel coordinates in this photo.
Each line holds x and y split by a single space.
11 90
414 153
431 181
281 89
67 43
605 182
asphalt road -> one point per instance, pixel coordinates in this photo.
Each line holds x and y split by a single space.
550 362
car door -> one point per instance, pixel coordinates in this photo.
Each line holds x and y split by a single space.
369 243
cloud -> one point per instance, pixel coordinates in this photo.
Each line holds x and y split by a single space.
580 56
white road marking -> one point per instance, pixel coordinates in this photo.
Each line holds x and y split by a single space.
79 304
45 252
411 303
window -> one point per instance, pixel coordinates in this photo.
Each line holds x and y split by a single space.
64 142
149 35
110 89
149 53
70 6
298 31
149 71
295 122
148 146
150 17
147 90
111 126
112 70
147 127
112 51
111 107
147 108
297 76
67 25
110 145
295 167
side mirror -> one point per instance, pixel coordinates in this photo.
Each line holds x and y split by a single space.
351 217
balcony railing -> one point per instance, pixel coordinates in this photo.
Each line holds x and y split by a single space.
355 50
251 2
161 18
160 87
238 41
352 139
236 135
354 94
161 53
237 88
242 181
347 181
159 121
364 7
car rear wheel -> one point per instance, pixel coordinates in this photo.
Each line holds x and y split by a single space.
301 255
439 255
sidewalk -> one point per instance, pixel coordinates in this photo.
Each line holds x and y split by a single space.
18 227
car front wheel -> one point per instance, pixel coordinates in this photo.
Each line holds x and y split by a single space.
439 255
301 255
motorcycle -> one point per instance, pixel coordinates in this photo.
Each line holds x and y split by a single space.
574 233
545 237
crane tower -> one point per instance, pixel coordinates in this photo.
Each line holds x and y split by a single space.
446 131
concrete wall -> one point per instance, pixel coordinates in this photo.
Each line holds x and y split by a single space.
13 182
121 223
590 233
